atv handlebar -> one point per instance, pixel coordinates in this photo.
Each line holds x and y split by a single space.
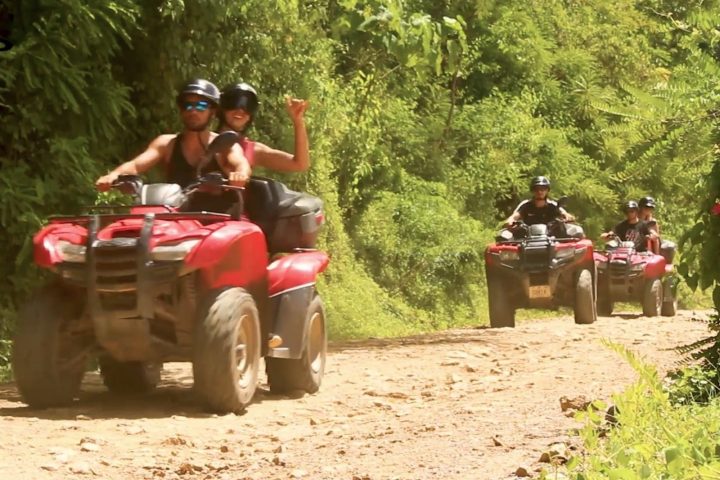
211 181
129 184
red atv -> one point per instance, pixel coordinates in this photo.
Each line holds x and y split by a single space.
626 275
530 267
159 284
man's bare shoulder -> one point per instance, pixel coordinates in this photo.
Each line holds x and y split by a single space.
164 140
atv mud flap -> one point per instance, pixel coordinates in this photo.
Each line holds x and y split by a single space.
289 321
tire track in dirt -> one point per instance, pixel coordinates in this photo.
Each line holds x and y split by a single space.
461 404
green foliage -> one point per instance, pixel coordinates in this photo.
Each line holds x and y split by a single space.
653 438
432 269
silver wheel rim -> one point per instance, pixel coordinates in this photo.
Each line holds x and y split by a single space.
244 351
316 342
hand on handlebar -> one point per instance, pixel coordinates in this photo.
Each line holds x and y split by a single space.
105 183
237 179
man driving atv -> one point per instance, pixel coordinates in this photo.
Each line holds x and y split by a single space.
239 104
539 209
181 154
632 229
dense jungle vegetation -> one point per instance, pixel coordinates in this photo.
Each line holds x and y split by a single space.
428 118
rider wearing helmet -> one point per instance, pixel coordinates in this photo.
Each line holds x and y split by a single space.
539 209
666 248
632 229
238 105
647 208
181 153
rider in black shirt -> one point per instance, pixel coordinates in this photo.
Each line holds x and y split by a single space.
539 209
632 229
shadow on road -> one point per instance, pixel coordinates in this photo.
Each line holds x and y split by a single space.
480 334
173 397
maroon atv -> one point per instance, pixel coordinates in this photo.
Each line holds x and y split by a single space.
529 267
159 284
626 275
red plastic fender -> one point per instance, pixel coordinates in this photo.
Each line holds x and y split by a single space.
233 254
45 241
655 267
295 270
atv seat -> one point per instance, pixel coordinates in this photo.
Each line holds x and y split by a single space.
289 219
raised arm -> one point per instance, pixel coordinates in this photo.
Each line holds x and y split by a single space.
282 161
153 154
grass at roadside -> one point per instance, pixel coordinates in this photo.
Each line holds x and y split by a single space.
656 437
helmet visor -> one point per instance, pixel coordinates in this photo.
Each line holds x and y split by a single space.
234 102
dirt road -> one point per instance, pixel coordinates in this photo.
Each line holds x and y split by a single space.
465 404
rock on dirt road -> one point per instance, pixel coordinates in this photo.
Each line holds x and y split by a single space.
464 404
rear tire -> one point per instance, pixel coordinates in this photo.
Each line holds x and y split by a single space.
670 302
286 375
502 312
48 361
226 350
129 377
652 298
584 307
669 309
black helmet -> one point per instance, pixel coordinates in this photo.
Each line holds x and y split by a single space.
632 204
539 182
648 202
240 95
200 87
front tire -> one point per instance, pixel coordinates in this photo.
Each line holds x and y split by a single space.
652 298
502 313
48 359
129 377
584 307
226 350
305 373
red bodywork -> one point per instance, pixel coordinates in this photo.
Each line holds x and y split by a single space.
296 270
230 253
623 272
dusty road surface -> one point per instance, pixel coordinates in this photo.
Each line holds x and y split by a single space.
465 404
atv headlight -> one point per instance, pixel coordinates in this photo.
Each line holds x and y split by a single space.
638 267
509 255
168 253
70 252
564 253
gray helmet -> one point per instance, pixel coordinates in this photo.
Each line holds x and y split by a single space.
630 205
648 202
539 182
200 87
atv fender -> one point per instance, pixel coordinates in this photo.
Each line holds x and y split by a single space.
291 289
295 270
45 249
233 254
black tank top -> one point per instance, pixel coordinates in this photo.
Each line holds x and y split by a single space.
181 172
